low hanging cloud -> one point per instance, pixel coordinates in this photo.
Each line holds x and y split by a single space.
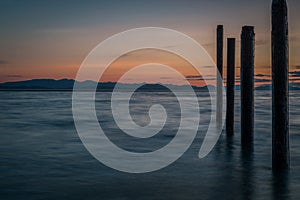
3 62
208 67
294 74
262 75
294 79
256 80
259 78
193 77
200 78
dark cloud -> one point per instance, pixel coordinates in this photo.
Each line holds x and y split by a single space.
261 80
294 79
257 80
262 75
202 79
260 67
193 77
3 62
199 78
294 74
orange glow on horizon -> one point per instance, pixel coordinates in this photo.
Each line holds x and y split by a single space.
127 62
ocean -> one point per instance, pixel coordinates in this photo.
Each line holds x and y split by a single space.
42 157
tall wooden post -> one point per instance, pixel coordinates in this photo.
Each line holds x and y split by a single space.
230 86
220 33
280 68
247 85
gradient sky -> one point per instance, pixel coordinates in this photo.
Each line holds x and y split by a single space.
50 39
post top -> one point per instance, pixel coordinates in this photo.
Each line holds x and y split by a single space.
248 28
278 1
279 5
248 31
220 26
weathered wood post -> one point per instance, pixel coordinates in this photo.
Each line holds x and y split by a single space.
230 86
280 91
220 33
247 85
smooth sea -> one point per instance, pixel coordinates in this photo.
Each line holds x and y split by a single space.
42 156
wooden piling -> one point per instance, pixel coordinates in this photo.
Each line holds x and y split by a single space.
247 85
280 91
230 86
220 35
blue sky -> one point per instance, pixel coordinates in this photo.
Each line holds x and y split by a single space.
50 38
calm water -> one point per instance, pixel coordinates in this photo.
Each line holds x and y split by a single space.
41 156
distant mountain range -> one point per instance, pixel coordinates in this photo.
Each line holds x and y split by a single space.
67 85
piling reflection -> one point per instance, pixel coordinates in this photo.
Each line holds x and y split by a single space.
229 147
247 176
280 185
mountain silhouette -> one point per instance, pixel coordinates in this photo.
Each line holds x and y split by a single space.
67 85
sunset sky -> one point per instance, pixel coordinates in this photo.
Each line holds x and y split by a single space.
50 39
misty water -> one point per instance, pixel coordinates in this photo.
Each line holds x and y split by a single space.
42 157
